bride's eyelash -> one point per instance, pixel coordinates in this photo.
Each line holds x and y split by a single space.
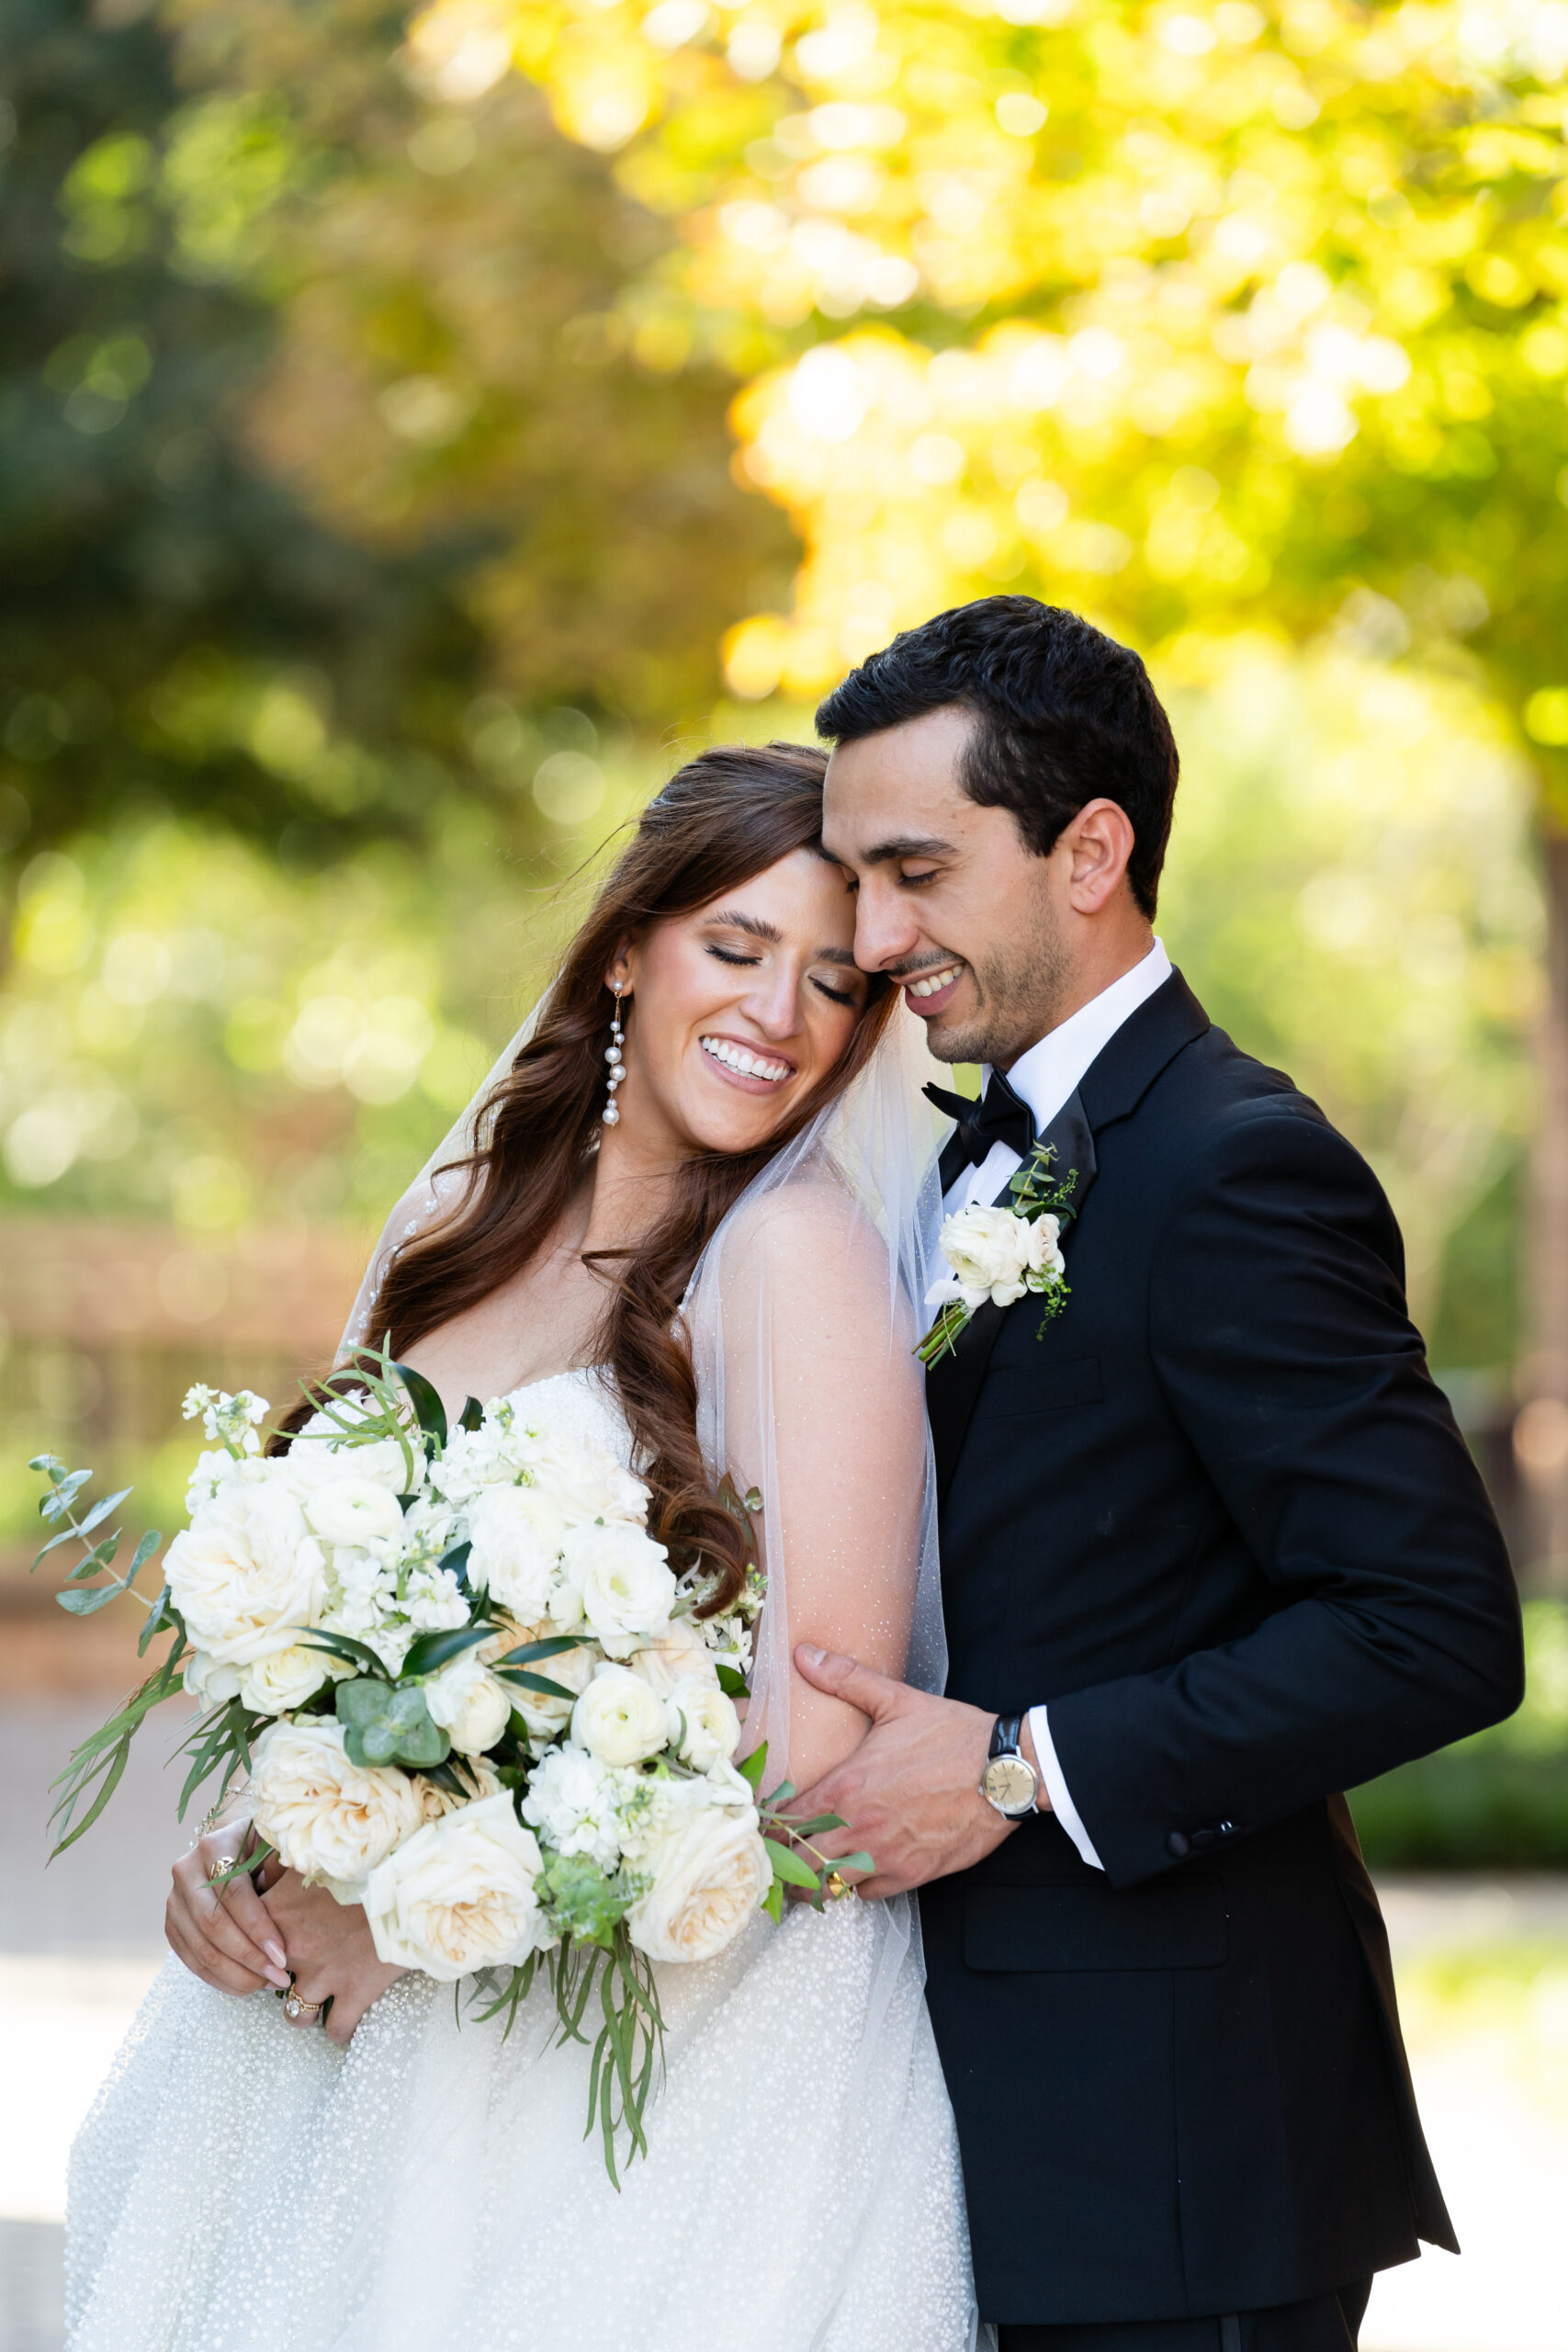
728 955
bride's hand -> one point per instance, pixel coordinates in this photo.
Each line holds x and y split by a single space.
330 1951
223 1934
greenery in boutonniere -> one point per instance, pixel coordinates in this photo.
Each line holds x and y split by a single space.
1000 1253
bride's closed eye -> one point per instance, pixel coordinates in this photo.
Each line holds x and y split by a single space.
729 955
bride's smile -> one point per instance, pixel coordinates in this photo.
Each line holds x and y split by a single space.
736 1013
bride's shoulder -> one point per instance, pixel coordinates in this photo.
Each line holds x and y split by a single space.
811 1229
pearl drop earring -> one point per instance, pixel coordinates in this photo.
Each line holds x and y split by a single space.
613 1054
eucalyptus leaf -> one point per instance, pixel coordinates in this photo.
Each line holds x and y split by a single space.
388 1724
89 1602
101 1510
60 1497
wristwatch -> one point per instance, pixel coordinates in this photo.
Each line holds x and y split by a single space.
1009 1781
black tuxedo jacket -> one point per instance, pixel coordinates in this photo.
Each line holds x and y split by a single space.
1219 1517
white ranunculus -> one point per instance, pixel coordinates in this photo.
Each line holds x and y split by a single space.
545 1717
618 1718
459 1895
624 1584
516 1535
330 1819
246 1567
318 1457
210 1684
703 1725
469 1704
287 1677
709 1875
436 1803
677 1655
585 1481
573 1802
729 1787
992 1252
352 1511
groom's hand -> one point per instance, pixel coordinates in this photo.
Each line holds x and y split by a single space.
910 1792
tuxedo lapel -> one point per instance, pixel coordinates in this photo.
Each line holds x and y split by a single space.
953 1382
1112 1087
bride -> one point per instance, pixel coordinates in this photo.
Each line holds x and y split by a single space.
711 1252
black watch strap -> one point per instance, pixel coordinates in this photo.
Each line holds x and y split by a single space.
1005 1737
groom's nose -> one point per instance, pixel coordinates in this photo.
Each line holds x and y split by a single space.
887 930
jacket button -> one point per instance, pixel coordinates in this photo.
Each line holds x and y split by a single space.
1178 1845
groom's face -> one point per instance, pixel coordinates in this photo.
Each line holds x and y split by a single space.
949 901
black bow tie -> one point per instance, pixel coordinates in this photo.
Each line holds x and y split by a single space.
999 1117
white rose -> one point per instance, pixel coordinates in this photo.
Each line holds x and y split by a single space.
352 1511
436 1803
703 1725
210 1684
618 1719
545 1717
318 1457
469 1704
729 1787
459 1895
623 1582
585 1481
516 1533
679 1654
710 1875
246 1567
286 1678
990 1251
573 1802
329 1818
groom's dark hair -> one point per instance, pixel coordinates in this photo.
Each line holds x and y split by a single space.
1064 715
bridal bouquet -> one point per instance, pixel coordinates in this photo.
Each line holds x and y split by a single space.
469 1690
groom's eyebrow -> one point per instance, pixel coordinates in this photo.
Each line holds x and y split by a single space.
906 845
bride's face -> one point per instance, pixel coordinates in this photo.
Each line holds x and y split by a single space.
736 1011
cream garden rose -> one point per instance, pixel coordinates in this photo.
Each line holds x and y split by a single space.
459 1895
702 1726
246 1565
677 1655
618 1718
330 1819
709 1874
479 1780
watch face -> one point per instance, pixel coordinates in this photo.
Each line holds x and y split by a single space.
1010 1785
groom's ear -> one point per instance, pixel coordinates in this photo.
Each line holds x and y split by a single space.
1095 846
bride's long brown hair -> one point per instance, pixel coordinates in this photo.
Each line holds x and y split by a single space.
723 818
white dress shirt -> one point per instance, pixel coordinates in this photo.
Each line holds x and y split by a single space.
1046 1077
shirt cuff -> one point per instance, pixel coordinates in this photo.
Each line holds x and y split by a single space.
1062 1804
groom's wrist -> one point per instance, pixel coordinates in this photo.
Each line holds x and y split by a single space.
1026 1749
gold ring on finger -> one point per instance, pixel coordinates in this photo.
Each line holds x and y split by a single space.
837 1886
298 2010
216 1874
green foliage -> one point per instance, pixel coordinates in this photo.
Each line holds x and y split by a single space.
1496 1801
387 1723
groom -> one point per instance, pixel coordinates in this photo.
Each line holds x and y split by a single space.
1212 1551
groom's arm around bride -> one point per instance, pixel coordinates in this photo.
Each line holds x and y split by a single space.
1210 1531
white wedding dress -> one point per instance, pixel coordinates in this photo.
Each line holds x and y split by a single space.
245 2185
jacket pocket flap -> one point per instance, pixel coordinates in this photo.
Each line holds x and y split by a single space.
1181 1923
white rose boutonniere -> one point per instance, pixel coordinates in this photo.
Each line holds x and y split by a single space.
997 1254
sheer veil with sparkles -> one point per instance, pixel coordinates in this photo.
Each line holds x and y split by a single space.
815 1275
